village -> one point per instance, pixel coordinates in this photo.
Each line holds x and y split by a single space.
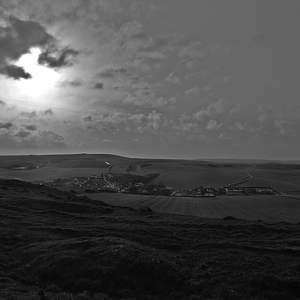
142 185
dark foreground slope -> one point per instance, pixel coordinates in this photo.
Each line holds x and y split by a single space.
54 245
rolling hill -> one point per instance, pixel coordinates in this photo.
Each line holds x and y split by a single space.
59 246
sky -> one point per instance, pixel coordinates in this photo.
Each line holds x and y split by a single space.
151 78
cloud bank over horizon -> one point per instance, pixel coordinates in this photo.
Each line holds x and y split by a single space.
193 79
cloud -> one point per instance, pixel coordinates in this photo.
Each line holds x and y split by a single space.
107 141
224 136
116 121
265 114
193 50
193 92
71 83
16 39
284 127
26 139
87 119
213 125
215 108
32 127
159 47
45 139
2 103
110 73
138 64
173 78
15 72
56 58
244 127
155 120
185 123
186 126
132 30
99 86
48 112
19 36
144 98
30 115
7 125
23 134
34 114
49 139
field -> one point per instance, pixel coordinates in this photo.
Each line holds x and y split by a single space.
58 246
191 174
173 173
281 176
53 166
265 208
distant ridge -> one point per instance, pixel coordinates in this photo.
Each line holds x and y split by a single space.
249 160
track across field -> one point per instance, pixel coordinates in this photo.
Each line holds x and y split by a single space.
265 208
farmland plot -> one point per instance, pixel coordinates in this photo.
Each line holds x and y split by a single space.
280 177
265 208
191 175
48 172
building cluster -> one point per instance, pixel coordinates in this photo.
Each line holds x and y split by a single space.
90 182
137 184
240 191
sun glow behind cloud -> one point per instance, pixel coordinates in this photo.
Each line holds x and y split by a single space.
43 79
139 79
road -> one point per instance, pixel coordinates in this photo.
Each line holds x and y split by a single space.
243 180
105 179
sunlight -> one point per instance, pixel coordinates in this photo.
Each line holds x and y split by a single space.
43 79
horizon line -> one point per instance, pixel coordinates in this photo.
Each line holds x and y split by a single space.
143 157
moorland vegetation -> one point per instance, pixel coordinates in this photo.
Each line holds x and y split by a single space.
63 245
56 245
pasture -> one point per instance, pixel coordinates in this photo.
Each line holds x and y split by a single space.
55 245
281 177
47 173
190 173
265 208
175 173
53 166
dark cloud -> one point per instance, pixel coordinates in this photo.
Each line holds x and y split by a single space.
48 112
30 115
2 103
111 73
23 134
16 39
7 125
15 72
99 86
87 119
31 127
34 114
57 58
72 83
19 36
49 139
156 44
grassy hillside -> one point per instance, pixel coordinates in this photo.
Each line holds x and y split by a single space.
282 177
191 175
57 246
256 207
